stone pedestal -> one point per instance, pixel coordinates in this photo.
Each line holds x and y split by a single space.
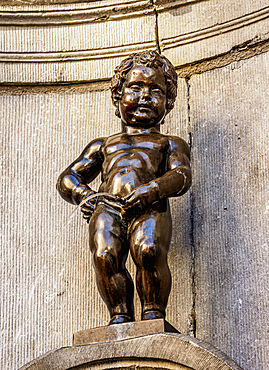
123 331
149 349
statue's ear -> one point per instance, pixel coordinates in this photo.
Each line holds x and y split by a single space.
169 105
119 94
117 112
116 97
115 100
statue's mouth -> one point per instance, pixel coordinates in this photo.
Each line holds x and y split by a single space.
144 109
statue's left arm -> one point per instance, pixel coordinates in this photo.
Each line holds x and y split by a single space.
174 182
177 180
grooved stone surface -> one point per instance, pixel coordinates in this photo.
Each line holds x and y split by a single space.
202 29
86 51
229 112
52 43
47 285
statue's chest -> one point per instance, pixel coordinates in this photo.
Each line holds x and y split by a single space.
140 153
134 144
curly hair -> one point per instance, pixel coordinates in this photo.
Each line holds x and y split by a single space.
151 59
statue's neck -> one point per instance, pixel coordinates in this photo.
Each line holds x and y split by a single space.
140 130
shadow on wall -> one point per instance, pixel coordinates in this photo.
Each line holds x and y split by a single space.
227 234
180 11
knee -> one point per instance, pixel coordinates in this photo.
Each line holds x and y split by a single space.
104 259
148 254
101 247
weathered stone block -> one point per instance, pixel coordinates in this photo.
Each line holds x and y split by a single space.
158 351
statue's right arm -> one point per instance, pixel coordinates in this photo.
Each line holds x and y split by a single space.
73 183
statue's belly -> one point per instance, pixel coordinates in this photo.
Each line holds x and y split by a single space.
121 181
125 171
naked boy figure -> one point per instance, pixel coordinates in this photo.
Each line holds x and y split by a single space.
140 169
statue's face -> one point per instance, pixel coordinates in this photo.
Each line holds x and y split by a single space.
143 102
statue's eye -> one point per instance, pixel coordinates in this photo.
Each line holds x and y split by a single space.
157 91
135 88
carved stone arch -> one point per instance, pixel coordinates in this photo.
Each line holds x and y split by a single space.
63 41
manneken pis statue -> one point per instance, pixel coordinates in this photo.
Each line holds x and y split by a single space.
140 168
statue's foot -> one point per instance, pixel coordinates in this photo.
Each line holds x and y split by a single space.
151 315
119 319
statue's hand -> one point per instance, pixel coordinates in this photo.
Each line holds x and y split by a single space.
114 202
142 196
111 200
88 207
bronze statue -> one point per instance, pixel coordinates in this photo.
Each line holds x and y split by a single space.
141 168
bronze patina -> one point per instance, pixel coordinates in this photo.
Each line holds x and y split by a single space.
140 168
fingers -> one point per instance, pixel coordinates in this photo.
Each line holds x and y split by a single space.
113 204
88 208
87 214
137 197
111 200
87 217
127 197
135 201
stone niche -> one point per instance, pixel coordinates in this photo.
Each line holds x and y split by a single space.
74 41
57 58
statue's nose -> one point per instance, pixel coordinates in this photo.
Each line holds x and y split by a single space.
145 94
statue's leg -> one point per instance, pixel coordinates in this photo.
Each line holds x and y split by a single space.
150 236
109 245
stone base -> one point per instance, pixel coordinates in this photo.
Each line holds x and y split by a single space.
166 350
122 331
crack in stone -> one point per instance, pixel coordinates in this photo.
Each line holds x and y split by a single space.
239 52
156 28
192 323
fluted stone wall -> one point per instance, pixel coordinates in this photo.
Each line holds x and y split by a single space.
56 61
